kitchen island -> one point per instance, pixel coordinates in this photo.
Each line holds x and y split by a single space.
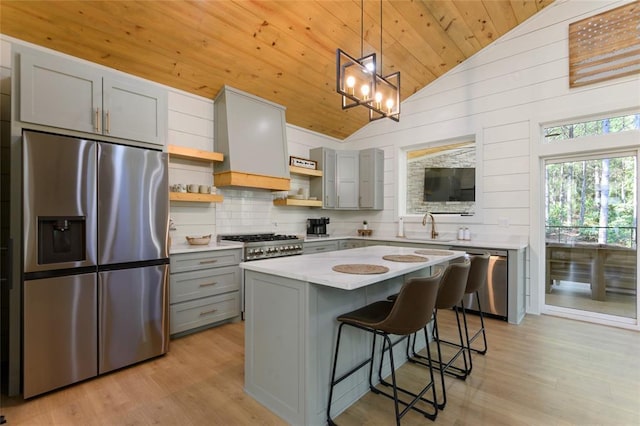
290 328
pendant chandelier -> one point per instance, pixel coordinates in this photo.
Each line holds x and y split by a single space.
359 83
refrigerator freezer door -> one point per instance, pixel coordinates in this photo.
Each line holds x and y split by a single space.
59 202
60 332
134 318
133 204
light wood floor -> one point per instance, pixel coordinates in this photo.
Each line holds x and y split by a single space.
546 371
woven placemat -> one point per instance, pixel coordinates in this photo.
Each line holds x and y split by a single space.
404 258
360 268
433 252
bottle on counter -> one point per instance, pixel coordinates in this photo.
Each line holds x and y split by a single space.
467 234
461 233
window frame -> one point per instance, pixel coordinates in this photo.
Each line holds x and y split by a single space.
401 189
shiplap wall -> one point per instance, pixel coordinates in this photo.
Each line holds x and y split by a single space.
502 96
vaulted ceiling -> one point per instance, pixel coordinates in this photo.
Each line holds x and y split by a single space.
280 50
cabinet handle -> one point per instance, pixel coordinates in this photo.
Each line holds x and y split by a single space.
213 311
107 123
97 126
204 262
208 284
320 248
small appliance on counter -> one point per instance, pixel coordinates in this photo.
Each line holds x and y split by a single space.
317 227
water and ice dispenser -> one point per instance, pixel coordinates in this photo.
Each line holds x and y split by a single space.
61 239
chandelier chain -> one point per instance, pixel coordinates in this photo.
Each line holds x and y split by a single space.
380 37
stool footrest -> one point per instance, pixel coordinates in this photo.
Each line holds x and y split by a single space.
416 398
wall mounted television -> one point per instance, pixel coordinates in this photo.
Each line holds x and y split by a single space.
449 184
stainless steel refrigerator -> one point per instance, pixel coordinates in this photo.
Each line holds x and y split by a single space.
95 228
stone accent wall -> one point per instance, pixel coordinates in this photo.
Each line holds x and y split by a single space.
461 157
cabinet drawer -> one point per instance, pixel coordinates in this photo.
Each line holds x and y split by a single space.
184 262
197 313
208 282
309 248
349 244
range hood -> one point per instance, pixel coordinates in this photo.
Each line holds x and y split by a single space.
251 133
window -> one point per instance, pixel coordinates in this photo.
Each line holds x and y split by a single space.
458 155
590 128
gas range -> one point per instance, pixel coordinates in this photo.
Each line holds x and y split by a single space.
265 245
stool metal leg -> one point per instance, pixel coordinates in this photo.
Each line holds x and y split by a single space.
415 396
335 381
448 367
470 340
333 376
416 358
481 330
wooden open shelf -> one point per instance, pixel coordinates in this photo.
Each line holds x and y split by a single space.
299 203
193 154
196 197
306 172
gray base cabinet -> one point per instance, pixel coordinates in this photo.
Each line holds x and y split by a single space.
204 289
320 246
349 244
69 94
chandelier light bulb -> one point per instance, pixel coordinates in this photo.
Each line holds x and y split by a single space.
365 90
351 82
378 98
389 105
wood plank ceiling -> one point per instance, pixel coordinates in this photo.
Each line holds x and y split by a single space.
280 50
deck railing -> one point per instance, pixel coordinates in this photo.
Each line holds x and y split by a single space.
624 236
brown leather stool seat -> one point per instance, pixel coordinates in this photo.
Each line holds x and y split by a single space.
409 313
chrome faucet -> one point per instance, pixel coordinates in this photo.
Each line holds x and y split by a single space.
434 234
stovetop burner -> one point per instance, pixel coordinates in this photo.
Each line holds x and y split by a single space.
266 245
253 238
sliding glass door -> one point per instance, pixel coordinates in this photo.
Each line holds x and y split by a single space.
591 234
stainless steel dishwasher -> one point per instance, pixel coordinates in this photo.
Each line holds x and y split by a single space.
494 295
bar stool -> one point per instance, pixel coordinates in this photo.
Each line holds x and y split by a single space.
409 313
477 279
451 292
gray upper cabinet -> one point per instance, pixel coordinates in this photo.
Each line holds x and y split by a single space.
351 180
60 92
372 179
134 110
347 179
325 189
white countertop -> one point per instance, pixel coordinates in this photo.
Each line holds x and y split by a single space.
186 248
316 268
483 241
